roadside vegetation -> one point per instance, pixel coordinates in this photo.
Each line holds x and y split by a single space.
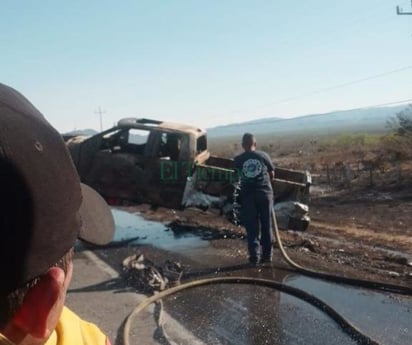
343 160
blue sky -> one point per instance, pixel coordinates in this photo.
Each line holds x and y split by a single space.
203 62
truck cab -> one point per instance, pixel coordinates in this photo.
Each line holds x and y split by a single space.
140 160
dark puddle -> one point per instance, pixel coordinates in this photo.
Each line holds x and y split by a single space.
141 231
387 317
247 314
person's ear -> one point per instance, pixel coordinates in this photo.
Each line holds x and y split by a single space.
33 314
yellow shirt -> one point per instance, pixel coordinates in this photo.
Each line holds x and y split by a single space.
72 330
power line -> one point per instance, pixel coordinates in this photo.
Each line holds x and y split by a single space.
390 103
379 105
332 87
365 79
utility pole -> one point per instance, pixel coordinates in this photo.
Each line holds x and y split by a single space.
400 11
100 112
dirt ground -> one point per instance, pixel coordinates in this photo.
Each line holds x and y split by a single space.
364 233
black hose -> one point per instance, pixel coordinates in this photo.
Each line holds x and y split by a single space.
345 324
400 289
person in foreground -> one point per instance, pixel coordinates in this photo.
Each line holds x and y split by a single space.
43 209
256 196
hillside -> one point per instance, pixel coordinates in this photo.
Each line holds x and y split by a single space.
356 120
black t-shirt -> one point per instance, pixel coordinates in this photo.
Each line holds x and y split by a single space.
254 167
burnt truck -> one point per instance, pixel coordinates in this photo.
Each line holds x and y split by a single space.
168 164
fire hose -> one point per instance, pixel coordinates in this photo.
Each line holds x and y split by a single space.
345 324
400 289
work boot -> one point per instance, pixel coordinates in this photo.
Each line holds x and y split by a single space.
253 260
266 260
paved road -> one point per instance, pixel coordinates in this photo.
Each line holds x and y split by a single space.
99 295
241 315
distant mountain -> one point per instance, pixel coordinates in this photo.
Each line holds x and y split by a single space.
82 132
249 123
353 121
356 120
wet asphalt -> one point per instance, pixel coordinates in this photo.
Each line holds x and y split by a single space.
222 314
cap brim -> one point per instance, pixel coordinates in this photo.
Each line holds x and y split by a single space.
97 219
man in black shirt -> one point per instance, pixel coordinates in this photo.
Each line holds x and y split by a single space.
256 195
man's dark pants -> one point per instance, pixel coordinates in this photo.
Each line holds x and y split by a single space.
256 210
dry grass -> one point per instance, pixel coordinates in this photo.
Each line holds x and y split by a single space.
346 160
